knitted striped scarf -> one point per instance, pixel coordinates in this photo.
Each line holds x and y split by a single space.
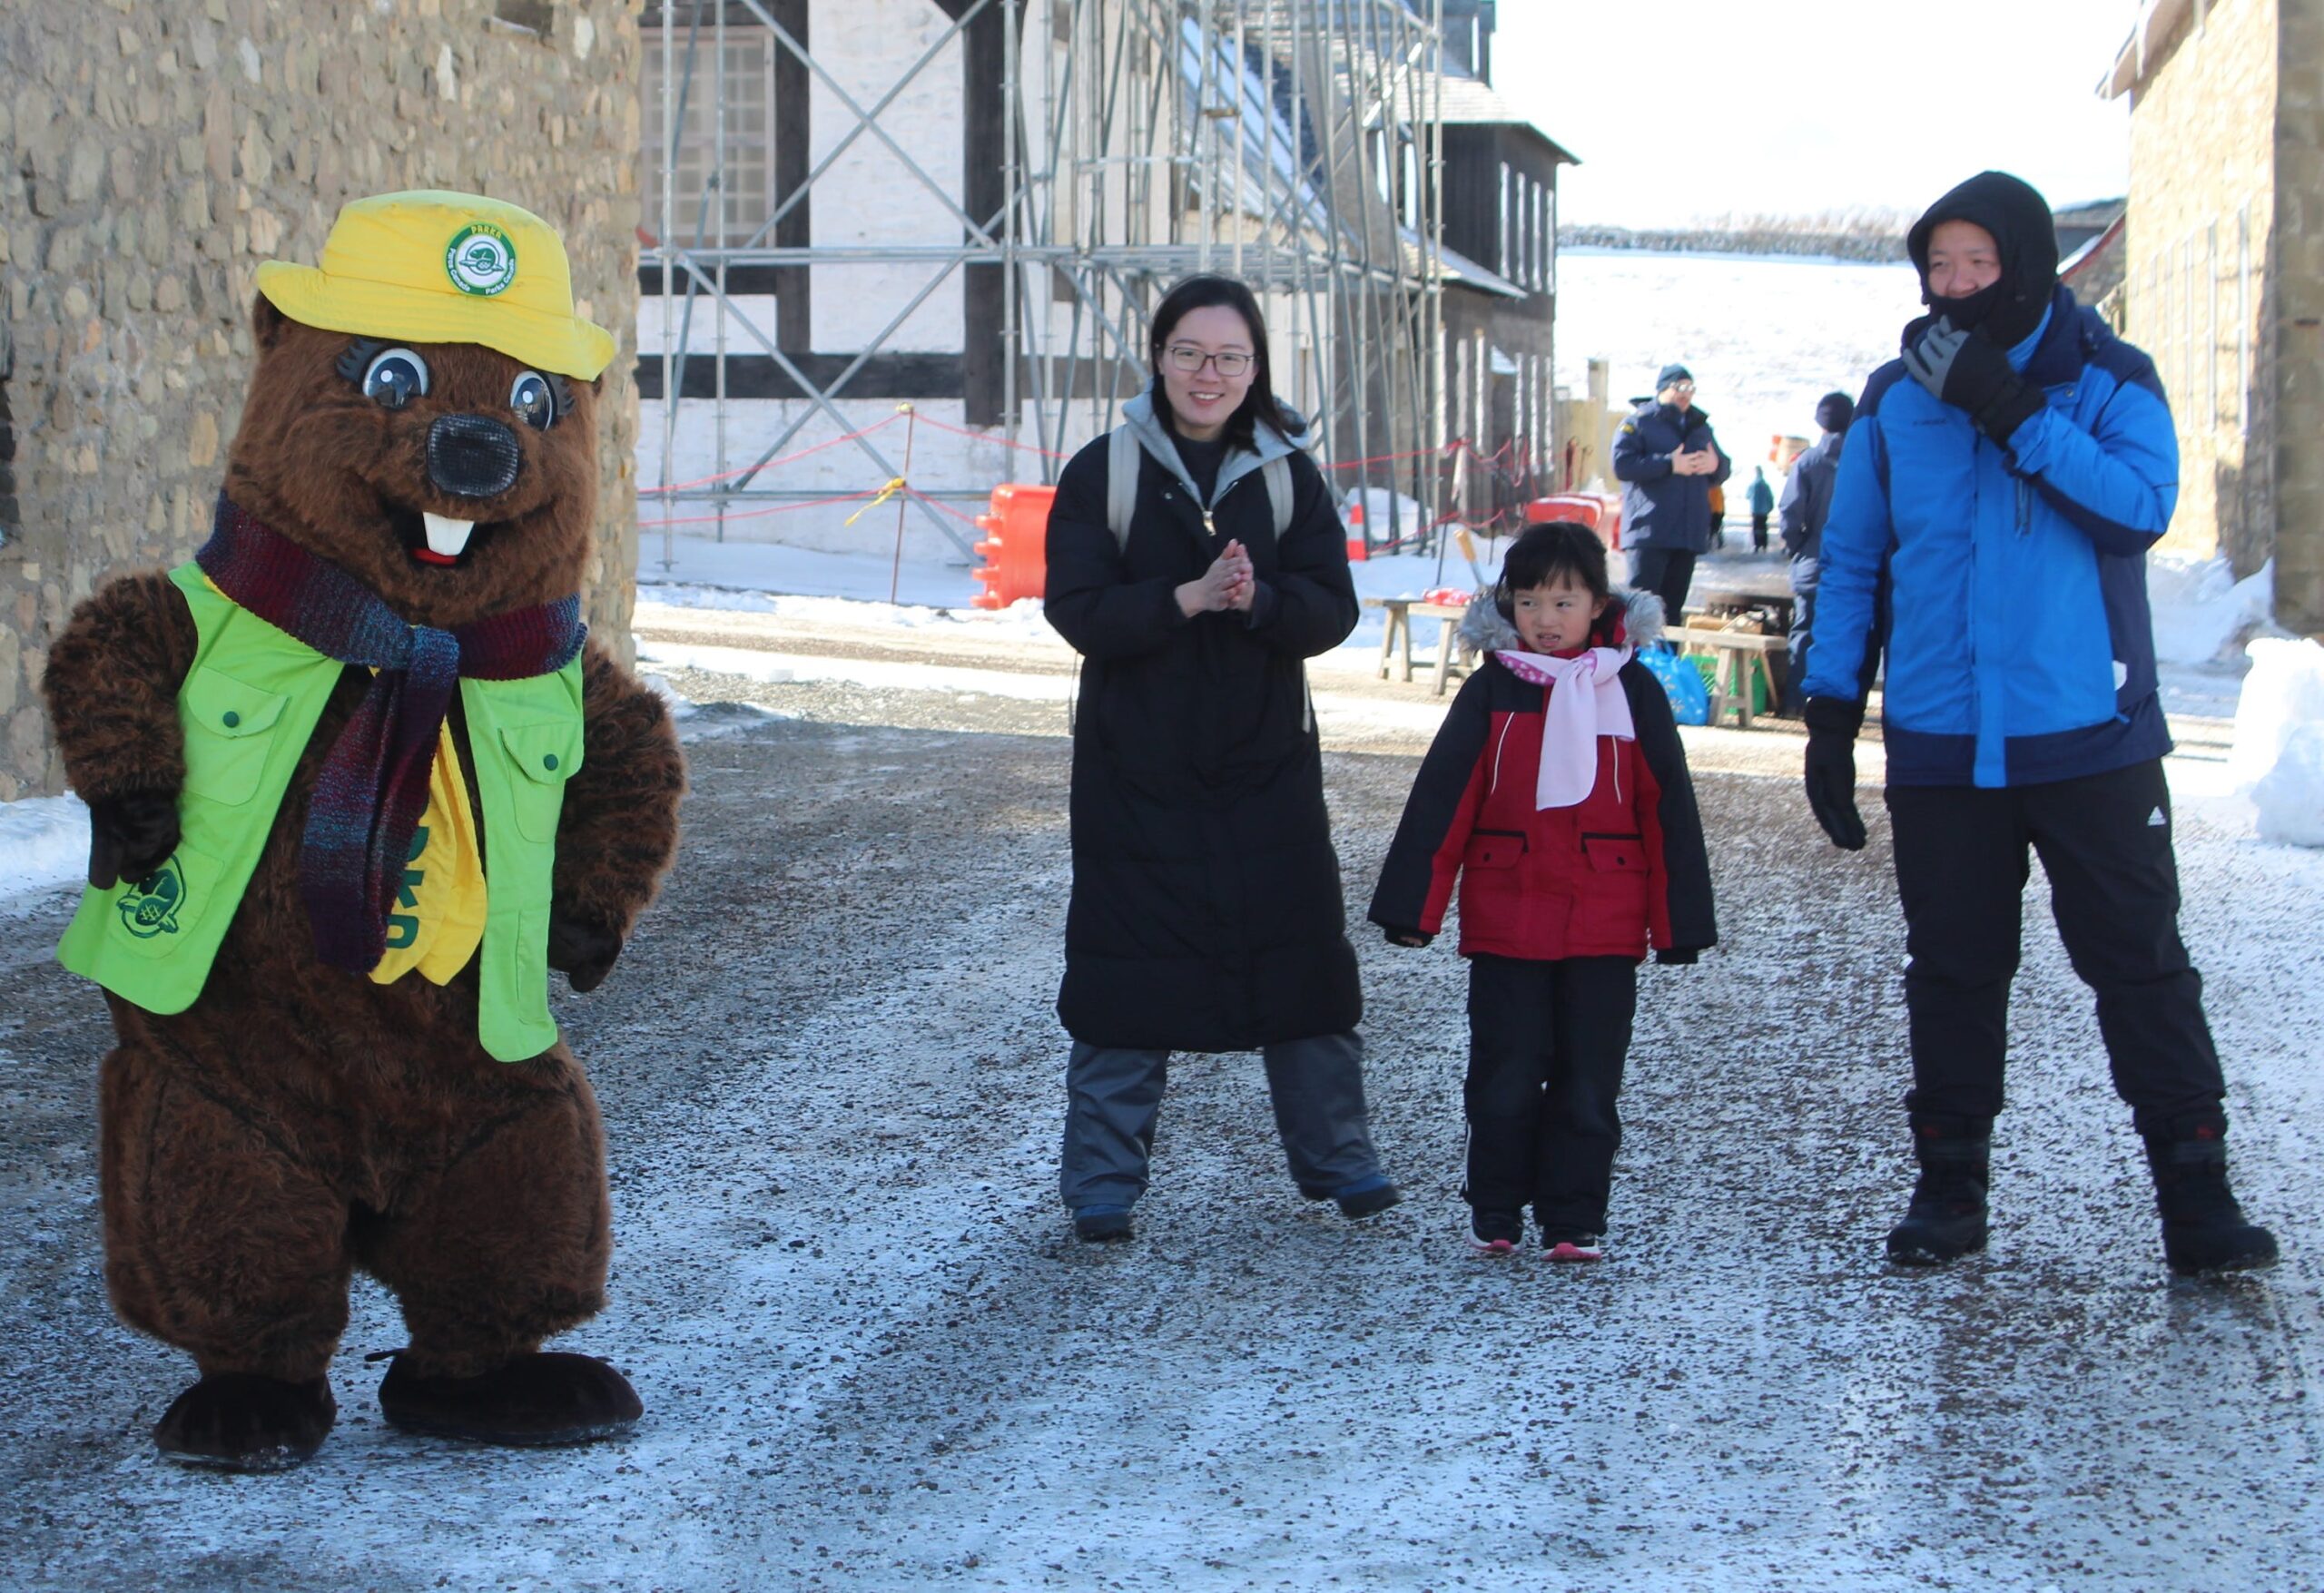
373 785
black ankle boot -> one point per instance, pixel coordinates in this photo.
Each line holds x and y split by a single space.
2203 1230
1946 1219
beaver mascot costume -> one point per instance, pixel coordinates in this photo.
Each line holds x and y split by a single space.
356 780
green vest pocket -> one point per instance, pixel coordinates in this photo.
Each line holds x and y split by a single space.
228 729
547 754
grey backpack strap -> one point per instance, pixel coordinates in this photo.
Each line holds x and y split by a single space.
1276 473
1121 483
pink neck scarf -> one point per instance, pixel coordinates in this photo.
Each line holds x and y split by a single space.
1586 703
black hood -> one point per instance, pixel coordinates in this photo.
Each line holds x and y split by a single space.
2026 235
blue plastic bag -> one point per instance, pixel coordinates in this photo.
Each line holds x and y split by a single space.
1682 683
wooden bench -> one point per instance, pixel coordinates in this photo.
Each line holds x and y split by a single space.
1396 637
1738 655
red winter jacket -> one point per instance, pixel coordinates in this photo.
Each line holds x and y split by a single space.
1623 870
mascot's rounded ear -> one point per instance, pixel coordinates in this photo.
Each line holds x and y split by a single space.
267 322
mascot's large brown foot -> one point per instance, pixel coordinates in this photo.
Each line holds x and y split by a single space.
549 1397
242 1421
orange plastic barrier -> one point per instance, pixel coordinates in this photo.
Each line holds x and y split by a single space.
1601 514
1016 546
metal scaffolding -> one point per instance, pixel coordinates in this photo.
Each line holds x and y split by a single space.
1296 144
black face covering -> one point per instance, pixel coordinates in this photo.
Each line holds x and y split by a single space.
1970 313
2024 235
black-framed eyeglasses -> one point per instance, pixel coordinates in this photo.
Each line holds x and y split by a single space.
1681 387
1185 360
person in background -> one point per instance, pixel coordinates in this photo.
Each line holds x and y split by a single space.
1557 793
1806 500
1763 504
1667 461
2004 479
1717 515
1205 913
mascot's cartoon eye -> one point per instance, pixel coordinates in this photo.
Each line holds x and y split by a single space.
395 378
533 401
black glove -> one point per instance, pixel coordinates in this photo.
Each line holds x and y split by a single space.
582 952
130 835
1676 956
1832 724
1407 937
1966 371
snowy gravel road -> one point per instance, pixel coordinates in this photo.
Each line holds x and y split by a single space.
872 1358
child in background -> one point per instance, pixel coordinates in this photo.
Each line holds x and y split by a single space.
1557 793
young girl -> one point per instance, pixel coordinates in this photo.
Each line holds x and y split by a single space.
1558 791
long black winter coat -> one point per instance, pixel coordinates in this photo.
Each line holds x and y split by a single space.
1207 912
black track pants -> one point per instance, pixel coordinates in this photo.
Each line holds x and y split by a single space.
1547 1041
2105 844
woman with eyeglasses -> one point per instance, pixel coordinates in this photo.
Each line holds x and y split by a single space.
1205 913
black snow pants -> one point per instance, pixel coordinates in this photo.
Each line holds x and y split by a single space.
1547 1041
1667 571
2105 843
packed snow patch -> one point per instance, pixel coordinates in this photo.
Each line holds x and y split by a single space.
44 843
2278 755
2201 610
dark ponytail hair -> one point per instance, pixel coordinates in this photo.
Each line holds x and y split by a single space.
1550 548
1259 403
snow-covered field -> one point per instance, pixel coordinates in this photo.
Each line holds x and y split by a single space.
1765 338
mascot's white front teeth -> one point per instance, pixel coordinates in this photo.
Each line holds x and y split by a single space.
446 537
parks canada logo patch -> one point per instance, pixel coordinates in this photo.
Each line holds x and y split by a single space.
150 907
480 260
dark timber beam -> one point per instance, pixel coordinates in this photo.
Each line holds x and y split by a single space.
984 161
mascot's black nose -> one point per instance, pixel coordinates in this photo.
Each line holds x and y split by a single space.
473 455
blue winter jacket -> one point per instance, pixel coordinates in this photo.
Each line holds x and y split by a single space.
2020 647
1660 509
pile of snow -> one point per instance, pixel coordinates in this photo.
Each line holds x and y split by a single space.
2202 611
44 843
2278 755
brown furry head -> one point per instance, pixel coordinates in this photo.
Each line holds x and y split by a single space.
341 451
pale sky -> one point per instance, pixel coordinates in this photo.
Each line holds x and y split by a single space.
1687 109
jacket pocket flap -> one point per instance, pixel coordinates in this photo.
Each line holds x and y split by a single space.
1493 850
1615 854
227 707
548 753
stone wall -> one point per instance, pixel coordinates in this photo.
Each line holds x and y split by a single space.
161 149
2197 278
2297 294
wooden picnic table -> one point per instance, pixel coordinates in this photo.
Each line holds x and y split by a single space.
1396 637
1737 656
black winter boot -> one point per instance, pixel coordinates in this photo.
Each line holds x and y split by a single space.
1946 1219
2203 1230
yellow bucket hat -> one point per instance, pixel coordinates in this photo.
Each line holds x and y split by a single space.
434 267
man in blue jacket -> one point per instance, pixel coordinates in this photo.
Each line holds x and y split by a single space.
1668 460
2005 478
1807 503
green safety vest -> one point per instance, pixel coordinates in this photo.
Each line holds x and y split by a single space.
248 706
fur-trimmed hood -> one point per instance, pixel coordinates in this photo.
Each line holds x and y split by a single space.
1483 629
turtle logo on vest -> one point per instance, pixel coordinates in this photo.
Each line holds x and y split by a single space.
150 907
480 260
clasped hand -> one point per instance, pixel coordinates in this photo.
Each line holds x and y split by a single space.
1228 583
1701 462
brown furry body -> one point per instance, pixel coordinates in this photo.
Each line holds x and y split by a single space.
298 1121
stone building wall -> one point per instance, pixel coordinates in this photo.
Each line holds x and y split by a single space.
160 150
2298 295
2201 223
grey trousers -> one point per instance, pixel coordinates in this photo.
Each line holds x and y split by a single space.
1114 1095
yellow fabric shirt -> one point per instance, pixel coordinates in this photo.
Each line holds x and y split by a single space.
439 917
